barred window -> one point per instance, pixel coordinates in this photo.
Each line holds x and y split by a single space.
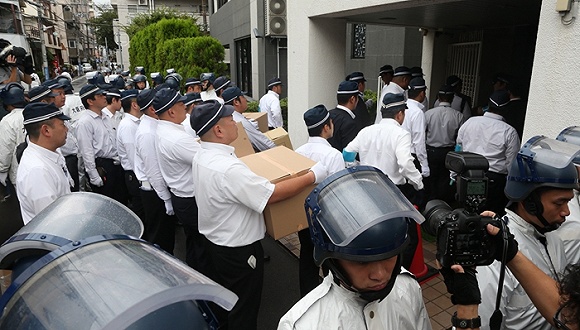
359 37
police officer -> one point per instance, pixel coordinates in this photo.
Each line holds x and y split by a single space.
173 80
343 116
442 125
398 85
207 80
235 97
366 287
97 145
361 112
192 85
386 74
461 102
176 149
540 183
489 135
113 108
270 103
11 130
42 175
320 129
231 200
157 78
220 84
159 220
414 123
126 148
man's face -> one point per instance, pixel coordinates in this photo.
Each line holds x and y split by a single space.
116 104
277 89
361 86
180 110
229 128
555 203
141 85
241 103
204 85
59 131
369 276
60 98
100 101
386 78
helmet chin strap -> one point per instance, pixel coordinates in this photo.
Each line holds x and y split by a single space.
341 278
547 226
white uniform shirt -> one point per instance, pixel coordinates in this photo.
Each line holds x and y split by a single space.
146 162
270 103
569 231
319 150
95 139
42 178
187 124
73 107
330 306
414 123
387 146
518 310
456 104
210 94
176 150
392 88
230 197
442 124
115 119
489 135
126 141
258 139
12 134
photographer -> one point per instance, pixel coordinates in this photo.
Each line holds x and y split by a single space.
15 64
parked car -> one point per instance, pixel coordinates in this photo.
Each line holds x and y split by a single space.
87 67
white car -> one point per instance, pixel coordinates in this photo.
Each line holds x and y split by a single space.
87 67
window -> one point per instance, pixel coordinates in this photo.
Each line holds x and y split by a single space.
359 37
244 65
220 3
10 19
72 44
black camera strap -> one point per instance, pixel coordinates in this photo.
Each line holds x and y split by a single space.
497 316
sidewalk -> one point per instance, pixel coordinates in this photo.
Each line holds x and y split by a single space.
435 294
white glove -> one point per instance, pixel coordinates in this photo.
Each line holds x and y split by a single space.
97 181
169 207
369 103
320 172
255 123
3 177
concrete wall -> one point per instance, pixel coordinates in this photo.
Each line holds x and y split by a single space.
553 100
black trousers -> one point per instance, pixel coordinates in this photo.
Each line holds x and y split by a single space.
496 198
159 227
409 253
134 202
72 165
113 180
195 243
308 272
232 269
439 187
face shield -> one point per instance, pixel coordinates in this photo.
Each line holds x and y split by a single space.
111 282
550 152
571 135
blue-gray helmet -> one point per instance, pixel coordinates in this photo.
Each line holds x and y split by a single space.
13 94
173 80
542 162
139 78
209 76
358 214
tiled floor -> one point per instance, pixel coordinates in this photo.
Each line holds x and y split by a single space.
435 294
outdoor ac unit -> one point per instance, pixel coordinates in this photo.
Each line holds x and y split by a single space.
142 2
275 18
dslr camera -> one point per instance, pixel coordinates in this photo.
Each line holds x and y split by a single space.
23 60
461 233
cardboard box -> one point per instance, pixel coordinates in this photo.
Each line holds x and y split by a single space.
242 143
260 117
279 164
280 137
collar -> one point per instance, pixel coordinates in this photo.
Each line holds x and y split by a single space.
273 93
107 112
50 155
171 125
133 118
94 114
523 226
149 119
415 103
224 148
493 116
444 104
389 121
319 140
342 107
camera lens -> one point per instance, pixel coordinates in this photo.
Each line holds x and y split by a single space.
435 212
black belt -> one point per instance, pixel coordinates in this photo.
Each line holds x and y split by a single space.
99 161
440 148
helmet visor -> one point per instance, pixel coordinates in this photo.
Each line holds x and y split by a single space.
551 152
356 201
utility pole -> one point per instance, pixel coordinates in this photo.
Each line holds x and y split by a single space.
39 8
117 27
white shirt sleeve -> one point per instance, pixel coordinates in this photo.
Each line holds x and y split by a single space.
7 146
257 138
84 134
151 166
248 188
276 112
419 129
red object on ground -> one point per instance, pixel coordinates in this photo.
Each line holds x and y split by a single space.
418 267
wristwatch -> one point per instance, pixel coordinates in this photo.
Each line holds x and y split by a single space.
465 323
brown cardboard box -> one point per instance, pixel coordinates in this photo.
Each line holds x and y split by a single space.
280 137
260 117
242 143
279 164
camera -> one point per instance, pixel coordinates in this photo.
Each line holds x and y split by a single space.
461 233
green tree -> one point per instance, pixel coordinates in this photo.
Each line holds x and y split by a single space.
141 21
103 27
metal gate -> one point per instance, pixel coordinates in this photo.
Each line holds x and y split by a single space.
463 61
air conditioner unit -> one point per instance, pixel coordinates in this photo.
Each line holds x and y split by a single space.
143 2
275 18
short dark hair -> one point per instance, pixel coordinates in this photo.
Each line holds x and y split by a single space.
85 103
33 129
110 98
316 131
446 97
342 99
390 113
126 103
570 292
413 93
